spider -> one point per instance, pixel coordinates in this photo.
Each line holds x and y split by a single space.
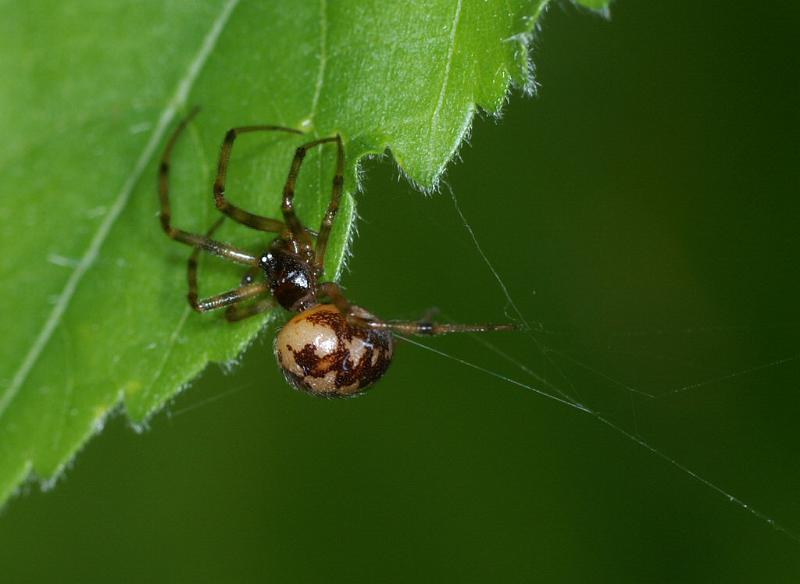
331 348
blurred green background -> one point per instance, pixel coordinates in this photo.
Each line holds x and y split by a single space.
642 211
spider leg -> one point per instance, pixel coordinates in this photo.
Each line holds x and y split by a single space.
230 297
333 207
287 207
232 211
191 265
422 327
334 292
203 242
238 312
234 311
429 329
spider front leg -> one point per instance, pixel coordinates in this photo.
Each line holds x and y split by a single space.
298 231
230 297
247 290
203 242
191 267
232 211
237 312
333 207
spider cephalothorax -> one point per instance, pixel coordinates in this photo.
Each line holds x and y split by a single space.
331 348
292 280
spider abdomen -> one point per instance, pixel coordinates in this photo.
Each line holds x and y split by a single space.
320 352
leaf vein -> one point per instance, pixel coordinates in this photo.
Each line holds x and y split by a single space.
448 63
120 202
323 58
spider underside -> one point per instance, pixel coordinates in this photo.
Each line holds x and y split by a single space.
332 348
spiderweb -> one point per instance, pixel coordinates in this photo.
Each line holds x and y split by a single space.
604 379
586 388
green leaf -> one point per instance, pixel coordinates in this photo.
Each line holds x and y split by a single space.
599 5
93 295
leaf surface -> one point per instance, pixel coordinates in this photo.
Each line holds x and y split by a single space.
93 294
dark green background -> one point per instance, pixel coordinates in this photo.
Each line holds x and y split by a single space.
643 212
